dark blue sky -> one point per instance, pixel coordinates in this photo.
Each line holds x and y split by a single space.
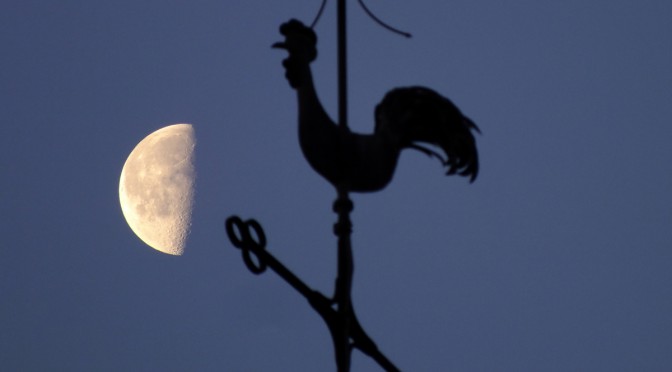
558 257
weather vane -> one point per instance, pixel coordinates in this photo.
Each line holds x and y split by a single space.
352 162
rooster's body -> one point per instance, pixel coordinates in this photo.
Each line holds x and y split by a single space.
366 162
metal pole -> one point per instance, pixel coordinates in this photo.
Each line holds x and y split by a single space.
342 66
343 206
342 299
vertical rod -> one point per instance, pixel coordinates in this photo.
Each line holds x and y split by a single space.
342 296
342 207
342 67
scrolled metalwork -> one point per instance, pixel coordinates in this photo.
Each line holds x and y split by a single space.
249 237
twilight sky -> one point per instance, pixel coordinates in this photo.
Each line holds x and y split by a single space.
558 257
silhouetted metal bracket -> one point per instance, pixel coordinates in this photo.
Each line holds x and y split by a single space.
249 237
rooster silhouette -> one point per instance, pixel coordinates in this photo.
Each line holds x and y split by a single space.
403 119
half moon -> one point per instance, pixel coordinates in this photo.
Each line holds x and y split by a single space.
156 188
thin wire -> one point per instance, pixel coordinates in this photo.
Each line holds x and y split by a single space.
319 14
385 25
368 12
